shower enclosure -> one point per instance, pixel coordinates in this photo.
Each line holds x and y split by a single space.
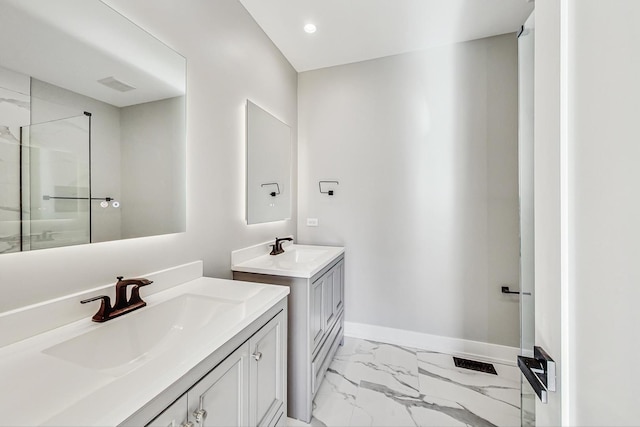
526 185
55 183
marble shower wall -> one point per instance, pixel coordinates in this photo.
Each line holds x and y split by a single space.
14 113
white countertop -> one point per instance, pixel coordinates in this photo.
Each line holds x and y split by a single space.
41 389
297 261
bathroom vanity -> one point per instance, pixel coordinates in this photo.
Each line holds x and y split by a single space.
246 388
315 277
206 348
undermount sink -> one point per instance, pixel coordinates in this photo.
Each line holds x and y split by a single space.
294 257
296 261
300 255
121 345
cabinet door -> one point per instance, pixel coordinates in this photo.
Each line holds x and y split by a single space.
338 287
174 416
316 315
222 395
327 297
266 372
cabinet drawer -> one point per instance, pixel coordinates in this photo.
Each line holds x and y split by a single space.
325 354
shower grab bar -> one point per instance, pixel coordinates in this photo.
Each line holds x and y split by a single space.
107 199
505 290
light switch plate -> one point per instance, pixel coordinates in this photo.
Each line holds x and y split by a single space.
312 222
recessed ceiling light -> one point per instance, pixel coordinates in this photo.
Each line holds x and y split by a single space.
310 28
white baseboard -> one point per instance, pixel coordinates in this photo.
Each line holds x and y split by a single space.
459 347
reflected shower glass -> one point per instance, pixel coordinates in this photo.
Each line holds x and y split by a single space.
55 182
526 58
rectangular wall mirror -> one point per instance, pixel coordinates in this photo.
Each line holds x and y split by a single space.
92 127
268 167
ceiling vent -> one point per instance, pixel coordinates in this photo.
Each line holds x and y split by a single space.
116 84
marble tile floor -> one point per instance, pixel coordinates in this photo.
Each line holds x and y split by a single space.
376 384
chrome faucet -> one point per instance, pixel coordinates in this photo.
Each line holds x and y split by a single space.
121 306
277 248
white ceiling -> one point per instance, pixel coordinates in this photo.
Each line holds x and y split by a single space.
357 30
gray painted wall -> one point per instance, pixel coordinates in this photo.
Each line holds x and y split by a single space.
153 167
424 146
229 59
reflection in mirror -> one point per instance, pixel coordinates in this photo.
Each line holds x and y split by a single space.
92 127
268 167
55 183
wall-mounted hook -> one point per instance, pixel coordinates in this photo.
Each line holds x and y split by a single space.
273 193
329 192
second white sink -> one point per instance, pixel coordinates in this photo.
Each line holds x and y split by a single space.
301 254
297 261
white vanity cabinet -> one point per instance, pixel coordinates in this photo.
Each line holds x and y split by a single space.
247 388
315 327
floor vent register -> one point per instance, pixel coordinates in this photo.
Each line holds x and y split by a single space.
474 365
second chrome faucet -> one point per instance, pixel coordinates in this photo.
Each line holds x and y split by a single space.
121 305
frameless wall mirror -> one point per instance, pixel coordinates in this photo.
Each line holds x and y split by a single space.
268 167
92 127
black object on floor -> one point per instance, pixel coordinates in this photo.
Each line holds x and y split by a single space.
474 365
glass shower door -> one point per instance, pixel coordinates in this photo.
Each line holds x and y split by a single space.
526 186
56 183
